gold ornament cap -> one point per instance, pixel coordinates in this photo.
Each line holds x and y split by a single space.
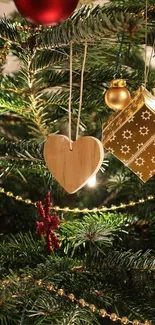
118 83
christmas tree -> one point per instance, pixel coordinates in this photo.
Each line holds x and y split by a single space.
88 257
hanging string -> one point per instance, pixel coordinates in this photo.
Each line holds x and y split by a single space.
81 89
145 70
117 73
149 64
70 96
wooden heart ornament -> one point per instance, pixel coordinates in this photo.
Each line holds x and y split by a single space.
73 168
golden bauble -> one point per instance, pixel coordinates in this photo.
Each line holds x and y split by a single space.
117 96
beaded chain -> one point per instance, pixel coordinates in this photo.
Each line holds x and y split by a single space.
82 303
77 210
4 52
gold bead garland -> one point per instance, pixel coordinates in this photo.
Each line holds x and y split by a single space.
4 52
77 210
61 293
3 122
28 28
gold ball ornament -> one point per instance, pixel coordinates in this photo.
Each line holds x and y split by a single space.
117 96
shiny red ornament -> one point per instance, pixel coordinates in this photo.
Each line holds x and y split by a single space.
46 12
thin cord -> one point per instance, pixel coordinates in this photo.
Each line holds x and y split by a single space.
145 71
70 96
117 73
149 64
81 90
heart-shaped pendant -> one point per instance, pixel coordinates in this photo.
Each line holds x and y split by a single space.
73 168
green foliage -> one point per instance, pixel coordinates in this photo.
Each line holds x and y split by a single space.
27 150
108 259
17 252
103 273
8 31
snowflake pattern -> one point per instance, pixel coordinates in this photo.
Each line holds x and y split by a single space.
139 174
146 115
143 130
133 132
139 145
131 119
127 134
152 172
139 161
113 138
111 150
153 159
125 149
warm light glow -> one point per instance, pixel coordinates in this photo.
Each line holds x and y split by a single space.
92 181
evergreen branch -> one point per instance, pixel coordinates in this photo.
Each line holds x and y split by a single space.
129 260
39 116
92 24
49 57
131 7
23 149
21 250
27 286
9 32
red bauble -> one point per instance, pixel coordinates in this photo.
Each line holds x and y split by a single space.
46 12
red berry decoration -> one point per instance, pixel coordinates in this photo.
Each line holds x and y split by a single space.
47 224
46 12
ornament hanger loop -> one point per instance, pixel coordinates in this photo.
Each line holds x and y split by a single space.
117 74
147 70
70 93
81 89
